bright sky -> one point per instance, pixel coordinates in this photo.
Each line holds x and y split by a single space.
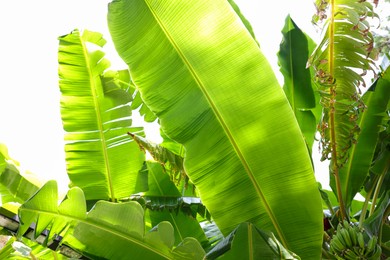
29 93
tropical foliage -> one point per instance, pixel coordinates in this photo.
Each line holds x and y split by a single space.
233 177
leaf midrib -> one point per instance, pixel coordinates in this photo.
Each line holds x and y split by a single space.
93 225
223 124
99 119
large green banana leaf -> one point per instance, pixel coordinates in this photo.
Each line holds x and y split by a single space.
353 175
292 56
101 158
109 230
201 72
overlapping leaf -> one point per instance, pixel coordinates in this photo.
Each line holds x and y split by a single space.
201 72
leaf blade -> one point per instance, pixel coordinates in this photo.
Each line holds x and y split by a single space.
211 124
96 116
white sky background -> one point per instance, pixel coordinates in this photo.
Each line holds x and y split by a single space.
30 122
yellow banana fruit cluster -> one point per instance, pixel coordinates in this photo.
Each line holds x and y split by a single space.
348 243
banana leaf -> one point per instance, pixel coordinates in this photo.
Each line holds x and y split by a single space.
109 230
15 186
356 170
292 57
203 75
101 158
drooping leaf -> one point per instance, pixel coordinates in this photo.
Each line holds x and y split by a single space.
356 170
109 230
200 71
292 56
96 114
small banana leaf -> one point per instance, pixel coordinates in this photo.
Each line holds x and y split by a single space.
292 56
96 111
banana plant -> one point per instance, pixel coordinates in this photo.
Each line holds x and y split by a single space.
203 75
340 60
196 67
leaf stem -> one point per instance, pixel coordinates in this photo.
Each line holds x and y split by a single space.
94 85
378 188
365 205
